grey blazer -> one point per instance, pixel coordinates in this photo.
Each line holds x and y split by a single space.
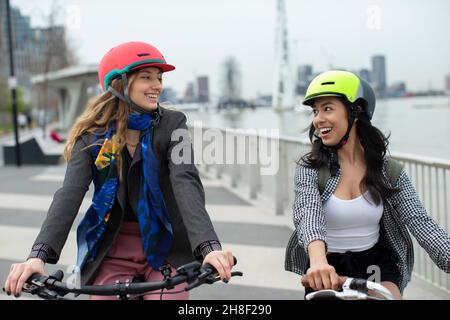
180 183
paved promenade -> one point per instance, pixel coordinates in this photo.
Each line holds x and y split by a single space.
256 238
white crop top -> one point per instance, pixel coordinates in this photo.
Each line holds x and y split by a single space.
352 225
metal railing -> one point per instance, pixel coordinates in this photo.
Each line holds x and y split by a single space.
431 179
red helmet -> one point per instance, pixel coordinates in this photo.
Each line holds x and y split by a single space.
129 56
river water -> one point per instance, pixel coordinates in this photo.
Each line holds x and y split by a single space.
417 125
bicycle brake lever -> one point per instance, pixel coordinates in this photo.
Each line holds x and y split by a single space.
34 287
210 279
50 294
207 276
206 270
31 289
38 288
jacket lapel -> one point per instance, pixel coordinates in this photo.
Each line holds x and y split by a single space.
121 191
137 157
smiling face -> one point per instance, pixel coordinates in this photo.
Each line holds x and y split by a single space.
146 87
330 119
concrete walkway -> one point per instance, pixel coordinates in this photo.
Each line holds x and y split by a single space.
246 227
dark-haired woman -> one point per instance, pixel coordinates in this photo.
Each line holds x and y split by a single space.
357 223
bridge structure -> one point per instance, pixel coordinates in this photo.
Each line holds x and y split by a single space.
73 87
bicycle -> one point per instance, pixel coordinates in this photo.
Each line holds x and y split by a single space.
352 289
194 274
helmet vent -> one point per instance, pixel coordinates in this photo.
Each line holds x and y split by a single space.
143 54
325 83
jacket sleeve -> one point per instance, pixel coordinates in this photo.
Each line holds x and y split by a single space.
187 186
41 251
206 247
427 232
66 201
309 219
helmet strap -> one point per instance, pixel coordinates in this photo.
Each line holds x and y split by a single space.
333 164
126 98
351 120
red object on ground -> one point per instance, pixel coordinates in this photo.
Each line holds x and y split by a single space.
54 135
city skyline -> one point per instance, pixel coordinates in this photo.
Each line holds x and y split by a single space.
339 35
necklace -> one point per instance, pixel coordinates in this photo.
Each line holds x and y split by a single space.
131 145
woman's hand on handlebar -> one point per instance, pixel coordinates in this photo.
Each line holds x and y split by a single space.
322 276
222 261
20 272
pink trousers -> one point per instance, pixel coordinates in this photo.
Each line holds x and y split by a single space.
126 260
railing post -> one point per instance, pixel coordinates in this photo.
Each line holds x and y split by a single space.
280 180
234 174
254 174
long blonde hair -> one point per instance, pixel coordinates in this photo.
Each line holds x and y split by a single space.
99 111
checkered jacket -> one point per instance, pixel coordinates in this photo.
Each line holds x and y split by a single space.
403 212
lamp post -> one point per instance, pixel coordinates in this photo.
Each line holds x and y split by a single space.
13 84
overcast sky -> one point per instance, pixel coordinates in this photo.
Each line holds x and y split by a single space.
196 35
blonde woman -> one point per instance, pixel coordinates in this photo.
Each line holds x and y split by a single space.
148 209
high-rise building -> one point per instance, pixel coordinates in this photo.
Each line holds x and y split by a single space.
168 95
365 74
379 74
447 83
189 94
203 89
22 41
34 49
304 77
50 41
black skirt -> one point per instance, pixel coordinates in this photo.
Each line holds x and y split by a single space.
365 265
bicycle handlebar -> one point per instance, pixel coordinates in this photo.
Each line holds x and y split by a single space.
52 287
352 289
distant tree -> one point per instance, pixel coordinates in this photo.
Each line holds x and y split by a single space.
4 93
6 103
56 53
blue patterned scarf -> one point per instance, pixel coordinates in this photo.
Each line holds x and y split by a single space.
152 215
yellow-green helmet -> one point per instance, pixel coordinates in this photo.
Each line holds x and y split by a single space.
344 84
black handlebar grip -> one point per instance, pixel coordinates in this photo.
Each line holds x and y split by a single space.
209 266
57 275
325 295
359 285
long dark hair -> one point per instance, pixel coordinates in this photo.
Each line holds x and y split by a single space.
375 147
